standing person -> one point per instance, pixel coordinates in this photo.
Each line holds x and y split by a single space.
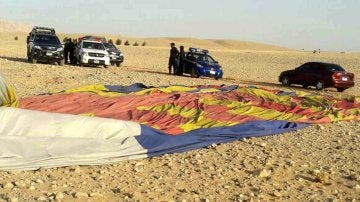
66 50
74 62
71 51
173 59
182 61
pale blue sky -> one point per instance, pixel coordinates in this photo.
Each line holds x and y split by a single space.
310 24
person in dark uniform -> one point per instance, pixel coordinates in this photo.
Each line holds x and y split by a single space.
173 59
66 51
182 61
74 62
71 46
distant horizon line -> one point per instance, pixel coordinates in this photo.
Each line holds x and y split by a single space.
198 38
269 43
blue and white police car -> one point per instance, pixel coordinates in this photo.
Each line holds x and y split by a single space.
199 63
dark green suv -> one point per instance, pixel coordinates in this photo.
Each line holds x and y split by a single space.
43 45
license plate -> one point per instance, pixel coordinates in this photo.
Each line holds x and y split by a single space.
212 72
344 78
49 53
96 61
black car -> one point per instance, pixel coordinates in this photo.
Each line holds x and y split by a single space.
43 45
116 56
318 74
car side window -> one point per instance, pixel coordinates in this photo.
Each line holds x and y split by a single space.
333 67
304 68
312 68
315 68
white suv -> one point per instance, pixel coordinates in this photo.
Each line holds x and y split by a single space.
91 52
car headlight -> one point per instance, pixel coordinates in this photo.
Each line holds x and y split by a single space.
121 54
59 49
38 47
106 54
84 53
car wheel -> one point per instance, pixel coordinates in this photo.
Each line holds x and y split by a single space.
217 78
285 81
194 73
29 59
34 61
105 66
340 89
61 62
305 86
319 85
118 64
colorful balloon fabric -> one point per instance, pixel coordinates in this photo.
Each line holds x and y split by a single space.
179 109
7 95
102 124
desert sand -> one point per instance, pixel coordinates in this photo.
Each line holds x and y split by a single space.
318 163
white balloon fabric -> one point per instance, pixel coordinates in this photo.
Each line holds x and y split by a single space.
32 139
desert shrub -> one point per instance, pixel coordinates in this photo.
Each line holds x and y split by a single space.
144 43
110 41
65 39
136 44
16 38
118 42
127 43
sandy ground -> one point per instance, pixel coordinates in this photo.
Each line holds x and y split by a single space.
317 163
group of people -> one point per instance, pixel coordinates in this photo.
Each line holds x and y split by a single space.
69 51
176 60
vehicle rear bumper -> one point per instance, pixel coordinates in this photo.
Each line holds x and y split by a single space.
343 84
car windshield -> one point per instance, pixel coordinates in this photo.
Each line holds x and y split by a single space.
202 57
46 39
333 67
93 45
109 45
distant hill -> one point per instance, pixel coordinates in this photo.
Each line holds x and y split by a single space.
208 43
12 26
189 42
22 29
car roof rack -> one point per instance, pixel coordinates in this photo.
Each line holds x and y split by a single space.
198 50
43 30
